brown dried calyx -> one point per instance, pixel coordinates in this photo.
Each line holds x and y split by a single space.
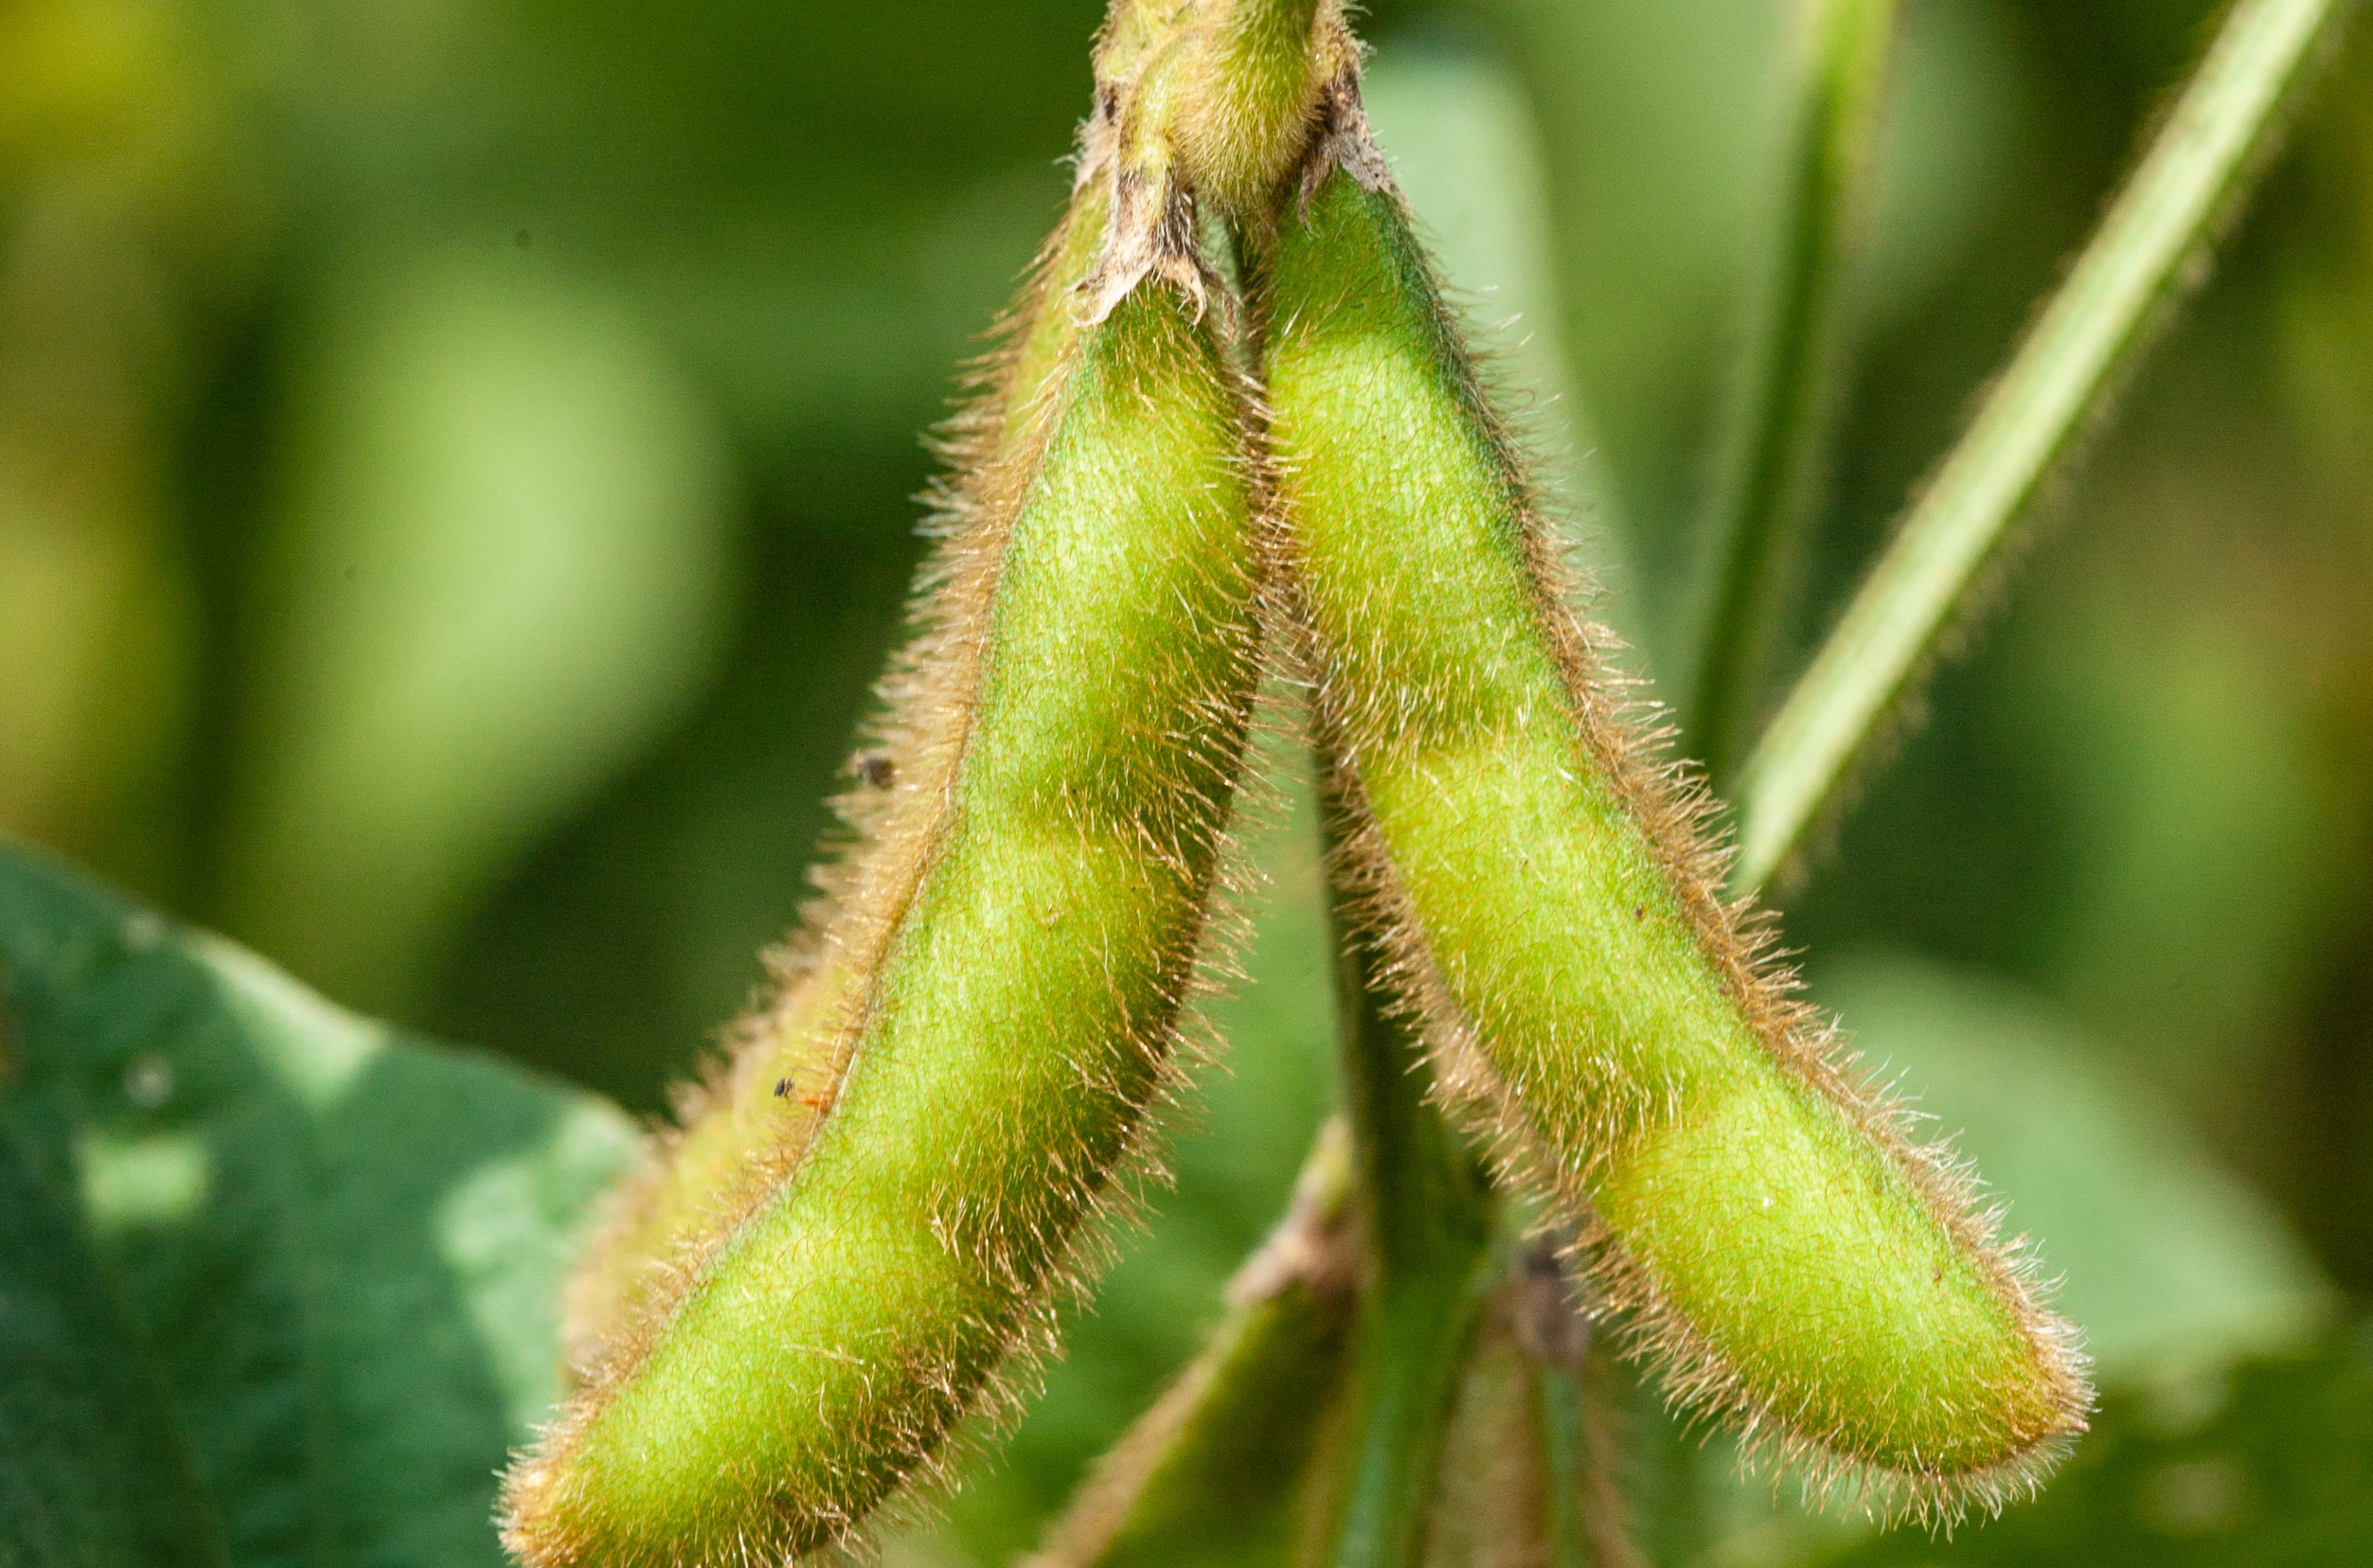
1132 143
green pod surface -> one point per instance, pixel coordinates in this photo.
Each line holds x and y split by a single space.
991 1002
742 1128
1787 1253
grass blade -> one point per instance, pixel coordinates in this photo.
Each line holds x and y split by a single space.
1783 421
2136 258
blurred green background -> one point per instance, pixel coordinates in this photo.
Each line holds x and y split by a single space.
456 464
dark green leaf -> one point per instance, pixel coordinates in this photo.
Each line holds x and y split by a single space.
93 1470
340 1247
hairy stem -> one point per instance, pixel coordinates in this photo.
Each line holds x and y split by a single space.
2147 249
1252 98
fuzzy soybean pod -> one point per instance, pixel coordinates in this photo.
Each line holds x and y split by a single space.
744 1126
746 1123
1778 1243
1013 942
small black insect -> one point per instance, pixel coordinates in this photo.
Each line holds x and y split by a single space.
874 768
782 1087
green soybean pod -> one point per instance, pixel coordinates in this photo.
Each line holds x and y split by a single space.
746 1123
1020 931
1778 1243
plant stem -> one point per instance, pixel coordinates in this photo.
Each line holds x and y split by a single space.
1564 1442
1222 1458
1252 89
1782 423
1427 1219
2145 251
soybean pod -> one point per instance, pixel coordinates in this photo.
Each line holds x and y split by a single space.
992 1001
742 1127
1776 1239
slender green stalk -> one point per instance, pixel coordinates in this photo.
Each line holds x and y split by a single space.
1584 1524
1564 1443
1491 1503
1427 1218
2136 258
1218 1470
1783 421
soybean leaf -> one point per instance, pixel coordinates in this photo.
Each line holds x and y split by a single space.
338 1249
2146 250
93 1469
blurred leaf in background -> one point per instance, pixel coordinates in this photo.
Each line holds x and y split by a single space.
494 572
109 136
2274 1466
